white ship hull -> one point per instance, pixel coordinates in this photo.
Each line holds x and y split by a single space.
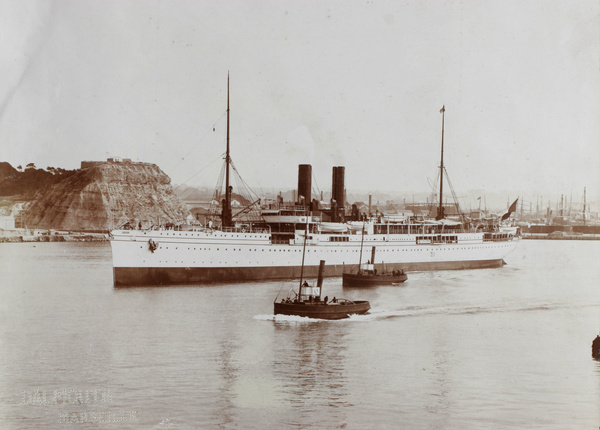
214 256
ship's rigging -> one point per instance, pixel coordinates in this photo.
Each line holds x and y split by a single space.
441 212
248 200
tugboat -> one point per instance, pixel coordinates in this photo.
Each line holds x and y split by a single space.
308 303
367 275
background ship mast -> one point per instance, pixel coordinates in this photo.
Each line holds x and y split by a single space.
584 204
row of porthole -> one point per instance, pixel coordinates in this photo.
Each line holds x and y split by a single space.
433 249
335 250
297 250
204 262
205 249
216 235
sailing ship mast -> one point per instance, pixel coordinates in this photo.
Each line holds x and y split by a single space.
226 218
440 214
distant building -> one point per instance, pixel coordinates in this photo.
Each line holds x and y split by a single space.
399 214
478 214
87 164
203 204
202 215
118 160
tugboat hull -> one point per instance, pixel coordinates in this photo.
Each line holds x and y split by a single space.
329 311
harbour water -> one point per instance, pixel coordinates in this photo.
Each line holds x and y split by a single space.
493 348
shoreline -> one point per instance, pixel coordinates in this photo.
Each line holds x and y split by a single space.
71 237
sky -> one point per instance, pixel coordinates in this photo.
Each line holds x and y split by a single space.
358 84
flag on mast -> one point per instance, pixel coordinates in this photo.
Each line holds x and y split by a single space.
511 209
443 109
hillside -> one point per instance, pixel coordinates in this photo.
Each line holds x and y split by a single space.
29 182
106 195
6 170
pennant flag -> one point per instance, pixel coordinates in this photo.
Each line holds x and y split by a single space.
511 209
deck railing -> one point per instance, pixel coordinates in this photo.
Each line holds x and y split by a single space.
247 229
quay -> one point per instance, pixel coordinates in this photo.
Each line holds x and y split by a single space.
25 235
551 236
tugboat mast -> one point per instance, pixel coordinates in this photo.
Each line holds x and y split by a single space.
362 232
303 253
440 214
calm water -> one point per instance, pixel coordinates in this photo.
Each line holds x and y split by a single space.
498 348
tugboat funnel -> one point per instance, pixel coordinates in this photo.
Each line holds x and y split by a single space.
320 278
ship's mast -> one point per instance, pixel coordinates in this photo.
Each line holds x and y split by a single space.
440 214
226 214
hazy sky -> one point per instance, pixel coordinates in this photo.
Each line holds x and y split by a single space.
332 83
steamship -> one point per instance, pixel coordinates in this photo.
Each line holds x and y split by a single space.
271 247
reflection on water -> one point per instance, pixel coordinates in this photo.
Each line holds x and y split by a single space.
229 374
461 349
310 365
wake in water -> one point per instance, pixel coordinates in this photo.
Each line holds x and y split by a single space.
417 311
297 319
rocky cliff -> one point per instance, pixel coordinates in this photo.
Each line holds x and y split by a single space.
107 195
